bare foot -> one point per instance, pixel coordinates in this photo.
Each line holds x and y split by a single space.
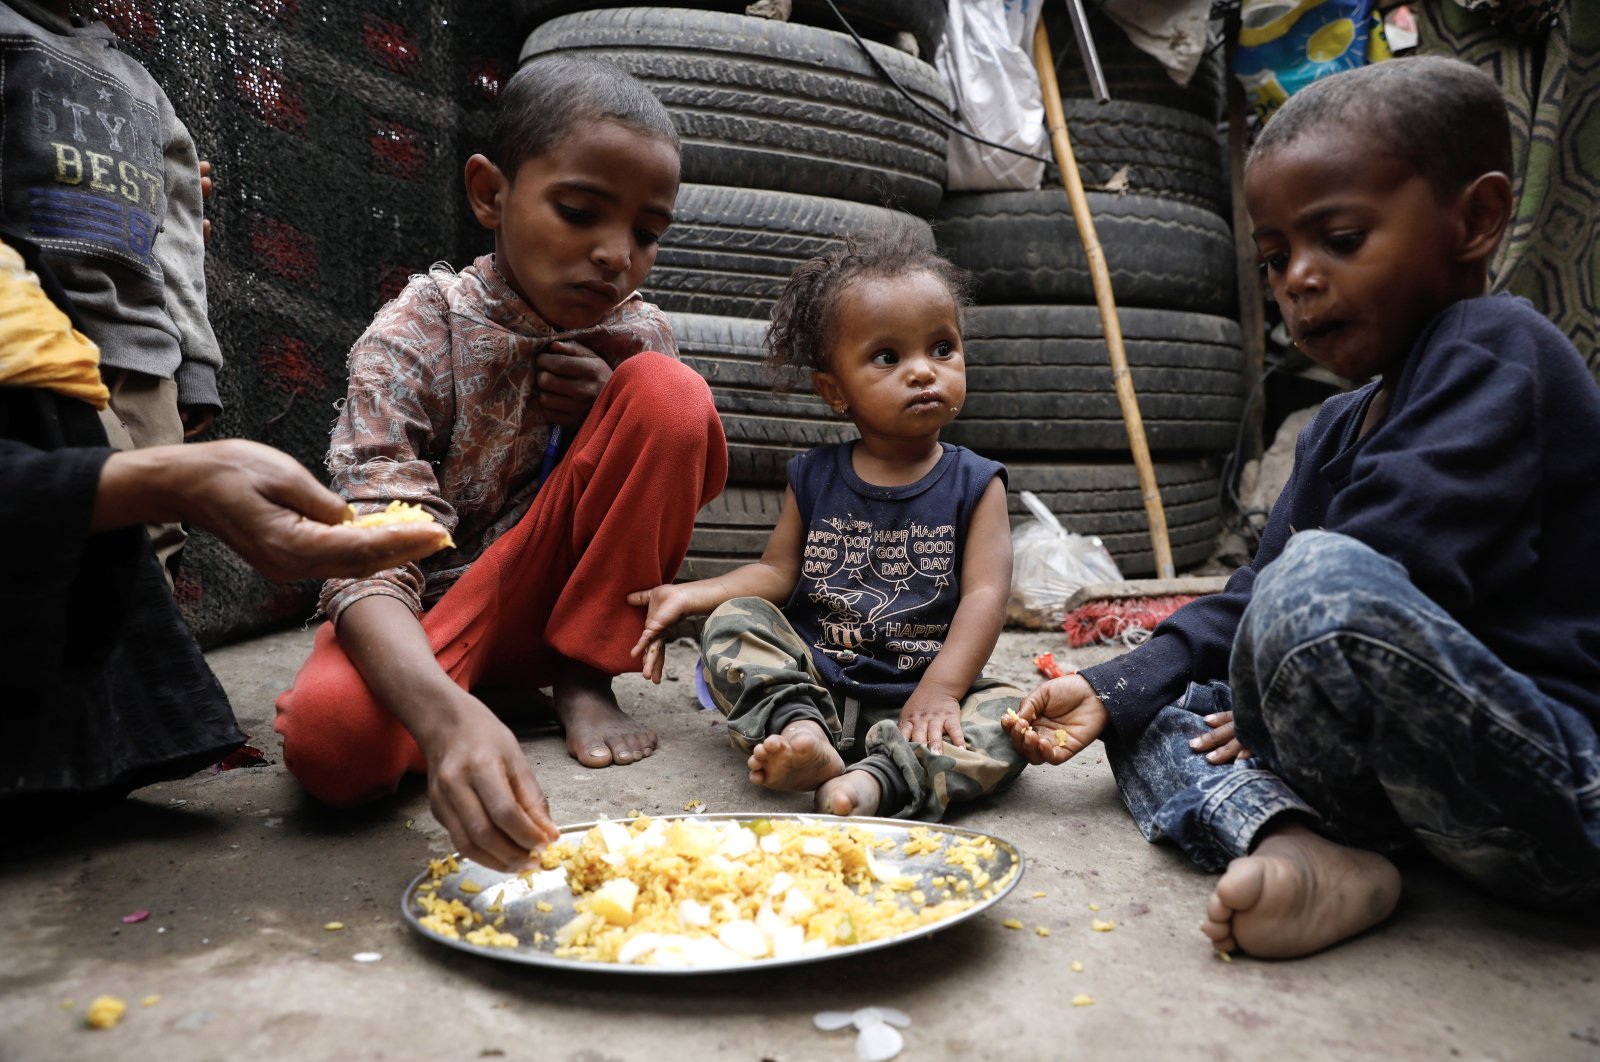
1297 893
599 733
799 759
852 793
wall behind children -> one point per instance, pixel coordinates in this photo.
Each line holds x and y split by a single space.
337 131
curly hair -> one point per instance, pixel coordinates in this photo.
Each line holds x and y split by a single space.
801 332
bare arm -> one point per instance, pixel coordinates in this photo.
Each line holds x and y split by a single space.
934 709
479 782
258 500
771 578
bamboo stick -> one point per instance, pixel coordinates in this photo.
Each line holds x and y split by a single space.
1072 181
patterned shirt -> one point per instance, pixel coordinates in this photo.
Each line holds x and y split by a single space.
443 412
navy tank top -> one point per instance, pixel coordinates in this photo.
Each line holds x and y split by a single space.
880 573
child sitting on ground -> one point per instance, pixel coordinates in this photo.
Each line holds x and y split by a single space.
861 634
1414 655
461 395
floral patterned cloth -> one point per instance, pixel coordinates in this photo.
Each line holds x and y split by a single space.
443 411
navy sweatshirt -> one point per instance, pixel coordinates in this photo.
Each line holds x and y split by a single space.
1483 481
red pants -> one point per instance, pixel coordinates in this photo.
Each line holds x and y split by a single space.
614 516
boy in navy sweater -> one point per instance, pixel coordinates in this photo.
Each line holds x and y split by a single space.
1413 658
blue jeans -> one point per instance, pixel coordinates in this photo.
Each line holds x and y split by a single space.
1378 718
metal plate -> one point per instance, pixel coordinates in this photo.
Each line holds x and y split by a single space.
523 918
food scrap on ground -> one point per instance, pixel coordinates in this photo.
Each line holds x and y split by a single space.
1103 927
333 927
104 1012
135 916
1083 999
1012 923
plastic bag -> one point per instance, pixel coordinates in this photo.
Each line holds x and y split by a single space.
986 60
1285 47
1048 564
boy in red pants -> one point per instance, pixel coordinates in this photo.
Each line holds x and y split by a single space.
463 394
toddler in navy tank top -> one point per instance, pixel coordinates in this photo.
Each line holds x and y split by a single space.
849 658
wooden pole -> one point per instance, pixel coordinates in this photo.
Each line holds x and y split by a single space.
1072 181
1252 311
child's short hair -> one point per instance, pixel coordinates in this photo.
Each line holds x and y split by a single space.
802 321
552 95
1444 118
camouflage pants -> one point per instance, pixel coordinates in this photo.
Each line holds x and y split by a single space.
759 669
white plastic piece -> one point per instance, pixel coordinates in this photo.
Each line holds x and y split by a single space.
879 1043
894 1017
831 1020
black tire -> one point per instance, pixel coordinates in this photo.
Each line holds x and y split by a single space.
1105 500
732 530
764 429
1146 149
730 251
762 104
1023 247
876 20
1038 381
1131 73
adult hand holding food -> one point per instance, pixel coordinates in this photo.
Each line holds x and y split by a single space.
258 500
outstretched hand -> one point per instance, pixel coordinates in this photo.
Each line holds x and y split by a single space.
1057 721
664 605
258 500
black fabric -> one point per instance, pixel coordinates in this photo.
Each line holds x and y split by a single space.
101 685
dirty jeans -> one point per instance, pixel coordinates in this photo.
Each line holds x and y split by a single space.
1378 718
762 678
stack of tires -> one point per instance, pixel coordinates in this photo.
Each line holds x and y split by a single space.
1040 390
792 139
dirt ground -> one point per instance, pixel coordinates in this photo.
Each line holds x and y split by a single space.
240 874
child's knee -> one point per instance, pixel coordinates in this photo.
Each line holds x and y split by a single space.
666 392
736 617
337 741
1326 583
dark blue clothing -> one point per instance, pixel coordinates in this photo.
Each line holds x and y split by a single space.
880 577
1482 481
1377 717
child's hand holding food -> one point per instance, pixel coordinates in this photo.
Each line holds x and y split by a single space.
1057 721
